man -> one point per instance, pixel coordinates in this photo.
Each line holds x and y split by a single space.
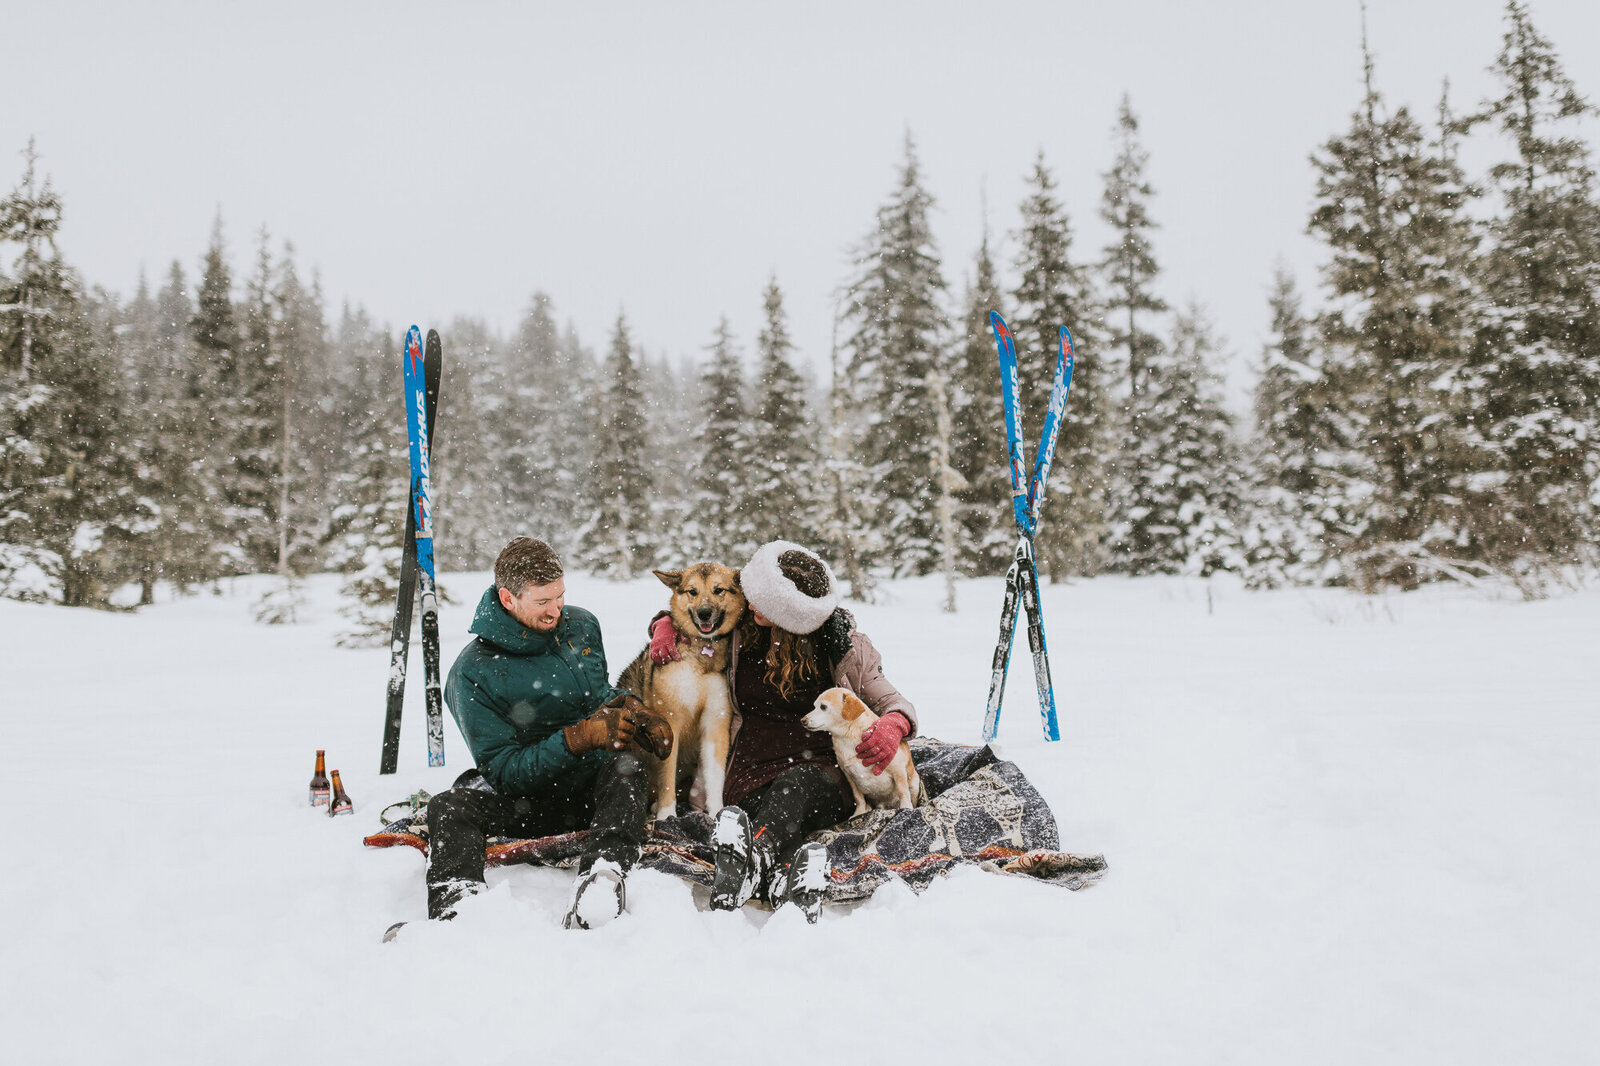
551 738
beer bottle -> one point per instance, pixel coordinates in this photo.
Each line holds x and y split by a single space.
319 783
341 799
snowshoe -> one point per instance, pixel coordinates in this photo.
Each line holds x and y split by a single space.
804 882
598 897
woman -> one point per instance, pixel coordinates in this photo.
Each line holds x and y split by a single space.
783 782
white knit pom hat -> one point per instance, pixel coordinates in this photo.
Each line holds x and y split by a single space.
774 595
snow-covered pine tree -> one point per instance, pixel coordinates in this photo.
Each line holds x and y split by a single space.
473 518
720 520
1053 292
174 309
371 488
1129 265
188 484
786 490
947 482
617 540
1389 208
1130 270
1299 433
1457 309
583 392
113 483
298 339
38 301
845 528
1185 479
146 387
529 453
248 402
214 326
301 339
163 382
64 509
214 352
978 434
29 219
1538 409
898 331
324 398
670 422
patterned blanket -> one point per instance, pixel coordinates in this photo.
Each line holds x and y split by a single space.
981 810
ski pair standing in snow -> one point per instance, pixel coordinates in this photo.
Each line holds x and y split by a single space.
416 558
1022 579
552 739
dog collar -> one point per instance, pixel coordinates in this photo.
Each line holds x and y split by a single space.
707 644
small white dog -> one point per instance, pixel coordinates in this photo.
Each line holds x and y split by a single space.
841 714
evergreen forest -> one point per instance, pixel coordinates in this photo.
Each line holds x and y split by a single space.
1426 409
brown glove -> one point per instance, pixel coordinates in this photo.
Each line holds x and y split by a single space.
654 733
611 728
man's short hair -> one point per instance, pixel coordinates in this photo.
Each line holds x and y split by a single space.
526 562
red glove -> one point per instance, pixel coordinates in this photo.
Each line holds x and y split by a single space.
663 641
880 743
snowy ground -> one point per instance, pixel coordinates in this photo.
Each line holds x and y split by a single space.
1340 830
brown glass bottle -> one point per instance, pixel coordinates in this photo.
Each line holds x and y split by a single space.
319 783
341 799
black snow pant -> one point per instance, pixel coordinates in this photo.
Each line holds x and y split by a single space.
614 808
803 799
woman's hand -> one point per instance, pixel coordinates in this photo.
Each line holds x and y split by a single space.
880 743
663 641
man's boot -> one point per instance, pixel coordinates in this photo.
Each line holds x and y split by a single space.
598 897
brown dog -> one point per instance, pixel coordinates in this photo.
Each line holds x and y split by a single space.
841 714
707 605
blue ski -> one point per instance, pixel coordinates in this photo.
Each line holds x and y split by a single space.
422 508
406 595
1008 395
1052 422
1022 579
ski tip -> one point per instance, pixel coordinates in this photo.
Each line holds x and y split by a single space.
1066 342
999 325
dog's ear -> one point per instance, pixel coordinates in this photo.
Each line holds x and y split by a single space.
736 583
853 707
669 578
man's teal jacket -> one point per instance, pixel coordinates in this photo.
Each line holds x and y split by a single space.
513 689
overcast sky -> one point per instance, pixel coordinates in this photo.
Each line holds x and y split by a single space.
440 159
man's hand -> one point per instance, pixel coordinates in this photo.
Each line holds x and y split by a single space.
654 733
880 743
611 728
663 641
